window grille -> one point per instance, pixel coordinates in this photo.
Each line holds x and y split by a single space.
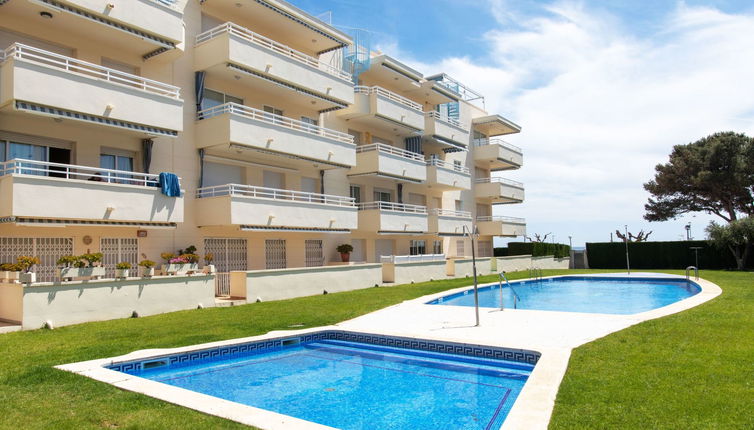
48 249
228 254
274 250
437 247
485 248
460 252
118 249
314 255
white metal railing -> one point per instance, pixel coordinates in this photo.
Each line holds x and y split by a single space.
71 171
500 181
448 212
267 43
411 258
274 194
495 141
20 51
392 150
444 118
390 206
278 120
450 166
389 95
505 219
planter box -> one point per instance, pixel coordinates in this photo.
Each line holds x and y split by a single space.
209 269
147 273
28 278
12 277
121 273
177 269
82 272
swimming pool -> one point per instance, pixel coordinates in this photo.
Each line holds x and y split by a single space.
589 294
354 380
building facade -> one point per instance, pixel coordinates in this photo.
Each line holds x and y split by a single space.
289 137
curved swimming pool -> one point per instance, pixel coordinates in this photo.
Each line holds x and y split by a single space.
589 294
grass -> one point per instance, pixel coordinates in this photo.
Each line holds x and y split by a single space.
690 370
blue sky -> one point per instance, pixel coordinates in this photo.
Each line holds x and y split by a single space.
602 88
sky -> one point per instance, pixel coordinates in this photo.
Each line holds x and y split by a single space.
603 90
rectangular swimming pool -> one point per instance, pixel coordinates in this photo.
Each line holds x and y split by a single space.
354 380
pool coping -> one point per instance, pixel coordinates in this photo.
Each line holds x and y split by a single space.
531 410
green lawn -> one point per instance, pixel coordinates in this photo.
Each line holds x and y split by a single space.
691 370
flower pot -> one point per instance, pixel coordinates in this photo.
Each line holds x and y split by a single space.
13 277
68 273
28 278
121 273
4 276
209 269
345 257
180 269
147 272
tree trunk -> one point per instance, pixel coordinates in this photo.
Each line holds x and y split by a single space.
737 255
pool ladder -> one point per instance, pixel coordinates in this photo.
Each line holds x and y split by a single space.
688 272
535 273
515 295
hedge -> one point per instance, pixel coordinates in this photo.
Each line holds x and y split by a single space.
539 249
658 255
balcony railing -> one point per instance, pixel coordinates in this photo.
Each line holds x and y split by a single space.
448 212
387 149
411 258
390 206
264 42
389 95
274 194
501 142
500 181
446 119
71 171
506 219
450 166
269 118
51 59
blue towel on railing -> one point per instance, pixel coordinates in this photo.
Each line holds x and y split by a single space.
170 184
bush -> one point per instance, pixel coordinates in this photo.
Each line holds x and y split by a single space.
539 249
657 255
344 248
124 265
147 264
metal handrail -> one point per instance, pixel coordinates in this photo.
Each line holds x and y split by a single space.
499 181
696 272
516 298
392 150
359 89
497 141
446 119
508 219
449 166
411 258
20 166
274 194
267 43
448 212
390 206
23 52
535 273
270 118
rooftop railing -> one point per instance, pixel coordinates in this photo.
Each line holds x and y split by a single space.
446 119
72 171
505 219
389 95
267 43
448 212
27 53
238 190
411 258
390 206
500 181
450 166
496 141
387 149
278 120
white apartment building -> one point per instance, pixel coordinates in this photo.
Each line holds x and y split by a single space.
289 139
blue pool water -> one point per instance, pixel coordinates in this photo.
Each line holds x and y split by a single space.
607 295
350 385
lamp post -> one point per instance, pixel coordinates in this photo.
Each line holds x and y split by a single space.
696 255
471 235
625 239
570 244
688 231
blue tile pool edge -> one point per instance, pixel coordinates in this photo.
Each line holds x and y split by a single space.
267 345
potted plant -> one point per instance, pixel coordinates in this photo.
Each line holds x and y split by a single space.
121 269
5 269
11 272
345 252
25 263
209 268
70 265
186 261
147 268
93 267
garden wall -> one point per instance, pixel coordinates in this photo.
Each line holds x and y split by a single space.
420 271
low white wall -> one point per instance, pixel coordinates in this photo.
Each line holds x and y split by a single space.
11 302
266 285
550 262
99 300
514 263
464 267
406 273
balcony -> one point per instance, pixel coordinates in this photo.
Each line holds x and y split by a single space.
447 222
44 83
232 126
497 154
56 193
259 208
445 130
388 161
447 176
388 217
499 190
385 110
501 226
231 51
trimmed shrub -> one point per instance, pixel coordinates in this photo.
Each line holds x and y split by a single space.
658 255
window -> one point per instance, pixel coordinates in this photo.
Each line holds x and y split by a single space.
481 173
314 255
18 146
457 165
121 67
356 136
274 252
114 159
356 193
310 123
28 152
2 151
485 248
272 113
382 195
459 205
437 247
417 199
376 139
214 98
460 252
418 247
309 185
